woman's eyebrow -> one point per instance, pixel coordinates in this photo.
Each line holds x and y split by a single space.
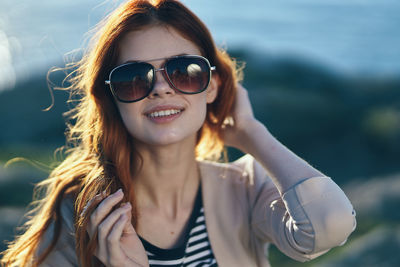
155 59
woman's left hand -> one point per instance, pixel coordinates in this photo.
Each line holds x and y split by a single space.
242 123
117 241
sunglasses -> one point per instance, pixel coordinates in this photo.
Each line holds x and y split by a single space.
133 81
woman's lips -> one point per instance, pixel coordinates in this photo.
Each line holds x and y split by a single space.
164 114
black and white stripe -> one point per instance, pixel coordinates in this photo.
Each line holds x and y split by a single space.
196 251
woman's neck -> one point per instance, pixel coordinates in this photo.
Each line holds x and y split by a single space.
169 177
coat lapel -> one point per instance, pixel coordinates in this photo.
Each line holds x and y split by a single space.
225 213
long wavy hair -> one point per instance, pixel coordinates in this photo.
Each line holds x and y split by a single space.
100 153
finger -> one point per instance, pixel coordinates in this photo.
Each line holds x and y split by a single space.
104 209
106 225
113 240
94 201
89 208
106 206
242 104
128 227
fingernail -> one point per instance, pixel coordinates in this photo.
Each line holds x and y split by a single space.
126 205
119 191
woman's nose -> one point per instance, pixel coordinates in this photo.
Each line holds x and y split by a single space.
161 86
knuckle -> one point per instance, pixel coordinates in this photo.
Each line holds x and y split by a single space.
100 237
105 204
110 239
101 229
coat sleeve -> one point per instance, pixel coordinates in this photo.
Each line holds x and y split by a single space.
305 221
63 254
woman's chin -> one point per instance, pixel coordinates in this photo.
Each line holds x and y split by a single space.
170 139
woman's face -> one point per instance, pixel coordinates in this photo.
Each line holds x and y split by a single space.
187 112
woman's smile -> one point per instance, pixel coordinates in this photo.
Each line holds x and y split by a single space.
164 114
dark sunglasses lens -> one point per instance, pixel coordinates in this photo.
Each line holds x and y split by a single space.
188 74
132 81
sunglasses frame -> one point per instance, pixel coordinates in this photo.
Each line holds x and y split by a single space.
164 73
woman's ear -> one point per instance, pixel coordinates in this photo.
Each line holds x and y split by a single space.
212 90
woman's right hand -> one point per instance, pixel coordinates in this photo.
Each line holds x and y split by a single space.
117 241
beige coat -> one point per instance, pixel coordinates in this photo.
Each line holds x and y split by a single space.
244 212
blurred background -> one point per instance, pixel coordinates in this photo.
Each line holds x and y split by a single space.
324 76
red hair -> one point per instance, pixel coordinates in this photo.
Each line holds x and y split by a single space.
101 155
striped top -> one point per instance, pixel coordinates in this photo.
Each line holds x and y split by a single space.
195 250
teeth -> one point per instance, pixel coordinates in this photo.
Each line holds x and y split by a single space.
164 113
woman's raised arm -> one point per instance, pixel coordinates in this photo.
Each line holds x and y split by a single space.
312 213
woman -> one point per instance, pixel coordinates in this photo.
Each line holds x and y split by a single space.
141 185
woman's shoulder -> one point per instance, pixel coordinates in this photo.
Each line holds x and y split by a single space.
68 212
237 166
63 253
245 169
66 221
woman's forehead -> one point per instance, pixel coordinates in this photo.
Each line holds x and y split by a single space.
153 43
